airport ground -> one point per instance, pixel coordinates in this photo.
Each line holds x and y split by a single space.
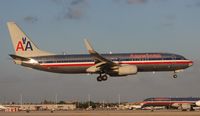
103 113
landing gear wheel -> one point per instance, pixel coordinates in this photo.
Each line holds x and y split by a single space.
175 76
104 77
99 79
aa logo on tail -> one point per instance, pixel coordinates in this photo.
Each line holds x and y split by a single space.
24 45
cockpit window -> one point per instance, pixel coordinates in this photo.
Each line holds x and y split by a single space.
178 57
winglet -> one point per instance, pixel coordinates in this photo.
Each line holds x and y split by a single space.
89 46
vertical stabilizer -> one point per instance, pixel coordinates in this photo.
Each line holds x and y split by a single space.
22 44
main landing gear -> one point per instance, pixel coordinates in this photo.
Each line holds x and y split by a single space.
101 77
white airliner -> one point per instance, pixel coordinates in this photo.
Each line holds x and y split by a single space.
113 65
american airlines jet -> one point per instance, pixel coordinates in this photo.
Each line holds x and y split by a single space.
114 65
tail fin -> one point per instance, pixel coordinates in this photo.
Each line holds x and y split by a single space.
22 44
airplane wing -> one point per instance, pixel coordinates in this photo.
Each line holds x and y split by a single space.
100 62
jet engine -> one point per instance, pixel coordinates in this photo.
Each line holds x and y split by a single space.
124 70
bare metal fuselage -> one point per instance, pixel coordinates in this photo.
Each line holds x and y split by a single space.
71 64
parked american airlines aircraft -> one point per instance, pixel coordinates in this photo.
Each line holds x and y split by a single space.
183 103
116 64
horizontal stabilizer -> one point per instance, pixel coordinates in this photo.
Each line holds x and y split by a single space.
15 57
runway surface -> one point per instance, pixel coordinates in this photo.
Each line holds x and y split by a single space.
102 113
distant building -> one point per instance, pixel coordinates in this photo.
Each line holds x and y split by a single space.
133 105
12 109
37 107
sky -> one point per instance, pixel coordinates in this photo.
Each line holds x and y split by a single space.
112 26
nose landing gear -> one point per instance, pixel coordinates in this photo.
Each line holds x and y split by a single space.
175 76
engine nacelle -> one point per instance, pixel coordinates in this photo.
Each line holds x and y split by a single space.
127 70
198 103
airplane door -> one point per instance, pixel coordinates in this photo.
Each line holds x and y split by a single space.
174 62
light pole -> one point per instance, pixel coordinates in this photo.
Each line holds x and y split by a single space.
21 100
89 99
119 99
56 98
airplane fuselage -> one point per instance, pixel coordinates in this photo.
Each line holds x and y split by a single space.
78 63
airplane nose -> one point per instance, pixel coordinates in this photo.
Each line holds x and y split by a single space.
190 63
